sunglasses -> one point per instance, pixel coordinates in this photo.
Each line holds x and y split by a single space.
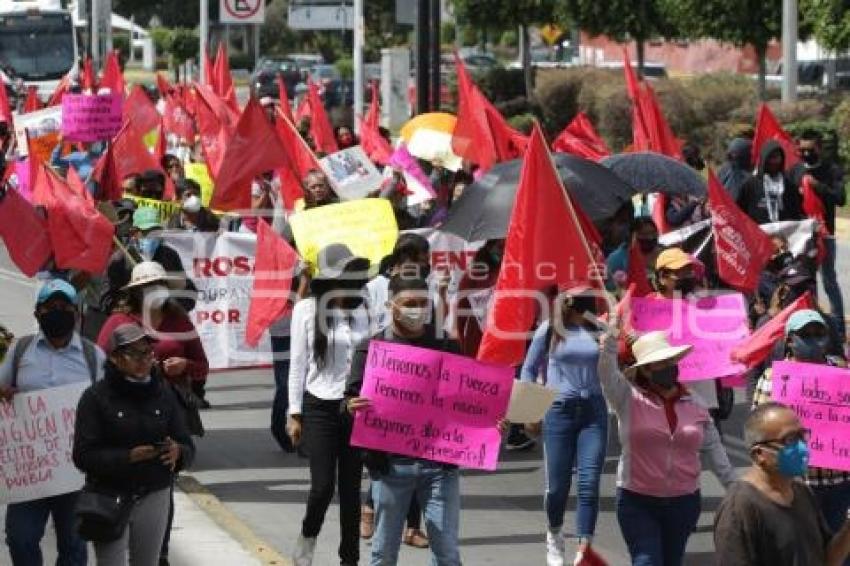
789 439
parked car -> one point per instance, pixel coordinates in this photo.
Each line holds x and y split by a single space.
324 74
263 80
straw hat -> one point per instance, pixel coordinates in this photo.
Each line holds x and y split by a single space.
147 272
654 347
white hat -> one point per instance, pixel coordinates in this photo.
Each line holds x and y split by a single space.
654 347
147 272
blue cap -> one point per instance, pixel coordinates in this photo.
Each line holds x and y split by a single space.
55 286
801 318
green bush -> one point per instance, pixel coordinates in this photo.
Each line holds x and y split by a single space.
161 39
522 122
121 43
841 120
557 92
447 32
182 45
241 60
345 66
500 85
509 38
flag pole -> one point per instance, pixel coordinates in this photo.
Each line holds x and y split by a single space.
125 251
304 143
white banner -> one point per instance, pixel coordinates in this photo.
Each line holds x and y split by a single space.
222 266
36 444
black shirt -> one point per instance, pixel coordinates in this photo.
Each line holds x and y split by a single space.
750 529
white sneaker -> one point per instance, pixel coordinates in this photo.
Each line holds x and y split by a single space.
556 547
304 549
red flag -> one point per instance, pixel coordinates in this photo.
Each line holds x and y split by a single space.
320 124
59 91
659 213
24 232
223 79
302 110
283 97
757 347
177 121
581 139
216 124
125 156
542 214
81 237
373 143
209 71
139 108
32 102
740 246
769 128
113 78
301 161
89 83
812 203
254 149
650 130
273 270
637 272
77 186
164 87
5 109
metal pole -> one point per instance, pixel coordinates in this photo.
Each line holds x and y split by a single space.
436 54
257 44
359 75
789 50
422 52
94 16
204 35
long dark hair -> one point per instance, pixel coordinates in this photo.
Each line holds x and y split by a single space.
323 317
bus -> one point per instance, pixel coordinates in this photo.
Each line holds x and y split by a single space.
38 44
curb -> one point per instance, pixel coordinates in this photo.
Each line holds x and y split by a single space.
842 227
227 520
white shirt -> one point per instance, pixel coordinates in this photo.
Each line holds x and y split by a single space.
346 330
42 366
378 290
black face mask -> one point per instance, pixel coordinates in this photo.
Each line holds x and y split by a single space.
779 262
582 305
647 245
57 323
686 286
665 378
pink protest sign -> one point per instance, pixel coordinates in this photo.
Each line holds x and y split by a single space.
432 405
88 118
712 325
820 395
22 172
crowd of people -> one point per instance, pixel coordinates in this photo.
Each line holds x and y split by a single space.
128 332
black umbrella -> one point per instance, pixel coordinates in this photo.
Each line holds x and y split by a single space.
650 172
484 209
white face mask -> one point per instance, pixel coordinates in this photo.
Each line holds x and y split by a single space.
155 296
413 318
192 204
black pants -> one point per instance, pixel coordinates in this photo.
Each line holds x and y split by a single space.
326 434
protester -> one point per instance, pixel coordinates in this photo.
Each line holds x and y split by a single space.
565 352
326 327
152 184
692 155
684 210
193 215
57 355
82 160
663 430
410 256
317 190
829 187
770 196
738 168
270 105
345 138
130 439
644 234
173 167
768 518
266 202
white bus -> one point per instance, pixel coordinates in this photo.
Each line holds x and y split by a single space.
38 44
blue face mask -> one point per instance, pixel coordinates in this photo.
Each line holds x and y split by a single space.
793 461
148 246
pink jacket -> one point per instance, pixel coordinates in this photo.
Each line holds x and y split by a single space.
653 461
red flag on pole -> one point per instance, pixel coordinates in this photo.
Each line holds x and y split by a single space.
164 87
78 187
139 108
177 121
581 138
216 124
740 246
757 347
769 128
223 79
24 232
542 214
273 270
662 139
254 149
89 82
59 91
320 124
209 71
637 272
373 143
32 102
113 78
283 97
5 109
301 161
125 156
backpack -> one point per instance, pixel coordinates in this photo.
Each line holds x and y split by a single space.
89 352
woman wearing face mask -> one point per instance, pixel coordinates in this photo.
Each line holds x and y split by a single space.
326 326
130 439
565 350
807 339
663 432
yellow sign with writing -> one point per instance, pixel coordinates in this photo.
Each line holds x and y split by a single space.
166 208
200 173
367 226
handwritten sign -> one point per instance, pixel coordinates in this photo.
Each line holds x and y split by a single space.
712 325
43 127
351 173
432 405
36 443
366 226
820 395
88 118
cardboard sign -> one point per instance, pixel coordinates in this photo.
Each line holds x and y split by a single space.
352 175
43 126
366 226
712 325
432 405
91 117
820 395
36 444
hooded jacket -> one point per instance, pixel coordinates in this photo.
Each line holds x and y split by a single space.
738 168
753 200
830 188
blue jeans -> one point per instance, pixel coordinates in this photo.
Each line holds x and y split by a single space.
280 350
575 433
831 287
25 524
438 491
656 529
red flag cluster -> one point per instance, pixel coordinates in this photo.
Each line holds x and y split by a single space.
580 138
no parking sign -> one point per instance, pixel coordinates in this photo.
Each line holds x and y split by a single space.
242 11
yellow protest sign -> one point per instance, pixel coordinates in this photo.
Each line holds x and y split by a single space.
200 173
166 208
367 226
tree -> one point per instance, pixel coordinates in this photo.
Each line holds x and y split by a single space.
830 23
639 20
182 45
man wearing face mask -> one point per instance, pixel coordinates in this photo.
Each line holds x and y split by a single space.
193 216
770 196
768 518
807 340
57 355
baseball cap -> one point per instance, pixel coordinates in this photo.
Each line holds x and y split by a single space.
124 334
801 318
146 218
673 259
54 287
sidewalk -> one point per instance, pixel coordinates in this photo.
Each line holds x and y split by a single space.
195 539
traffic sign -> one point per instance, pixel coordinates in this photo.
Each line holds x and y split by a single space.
551 33
242 11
